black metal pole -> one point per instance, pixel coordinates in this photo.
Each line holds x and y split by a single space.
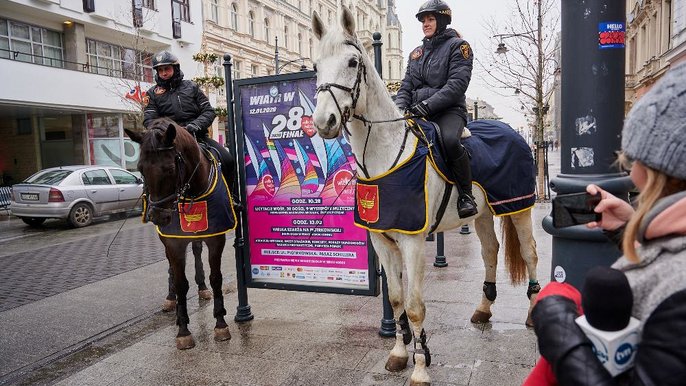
276 55
387 322
243 313
592 117
439 261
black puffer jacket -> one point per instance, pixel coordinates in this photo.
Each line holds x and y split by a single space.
182 101
438 72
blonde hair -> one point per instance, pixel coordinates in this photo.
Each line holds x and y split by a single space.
657 185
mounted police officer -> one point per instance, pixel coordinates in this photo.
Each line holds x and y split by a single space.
184 102
434 87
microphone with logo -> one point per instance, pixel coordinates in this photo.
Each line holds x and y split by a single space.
607 322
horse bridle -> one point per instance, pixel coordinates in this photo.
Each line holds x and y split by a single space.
179 191
354 91
346 114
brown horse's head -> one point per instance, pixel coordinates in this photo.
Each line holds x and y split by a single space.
165 150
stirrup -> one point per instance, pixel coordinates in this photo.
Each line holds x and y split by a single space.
464 201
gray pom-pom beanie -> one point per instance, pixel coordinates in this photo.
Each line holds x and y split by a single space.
655 128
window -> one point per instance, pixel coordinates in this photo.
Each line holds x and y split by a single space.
311 48
251 23
28 43
300 43
219 71
95 177
390 42
234 16
267 36
149 4
285 36
181 10
120 62
122 177
236 70
253 70
214 11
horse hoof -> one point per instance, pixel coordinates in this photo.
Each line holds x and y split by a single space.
169 305
529 321
205 294
481 317
185 342
395 364
221 334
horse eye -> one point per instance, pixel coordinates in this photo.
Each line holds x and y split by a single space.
352 62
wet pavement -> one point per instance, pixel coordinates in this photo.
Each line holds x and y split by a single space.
110 331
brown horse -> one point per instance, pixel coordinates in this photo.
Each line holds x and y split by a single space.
174 168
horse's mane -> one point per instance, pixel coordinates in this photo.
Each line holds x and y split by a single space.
184 140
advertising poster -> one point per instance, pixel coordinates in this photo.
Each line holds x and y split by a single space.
299 192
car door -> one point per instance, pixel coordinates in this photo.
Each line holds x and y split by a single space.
100 190
129 188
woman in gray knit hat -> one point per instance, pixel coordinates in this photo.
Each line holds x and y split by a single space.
654 246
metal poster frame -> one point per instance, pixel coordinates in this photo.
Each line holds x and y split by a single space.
310 277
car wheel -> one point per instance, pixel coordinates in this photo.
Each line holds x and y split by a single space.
81 215
33 221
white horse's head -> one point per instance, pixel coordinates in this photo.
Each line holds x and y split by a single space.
341 69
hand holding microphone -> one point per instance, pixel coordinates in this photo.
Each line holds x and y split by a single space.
607 301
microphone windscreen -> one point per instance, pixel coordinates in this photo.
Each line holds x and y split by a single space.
607 299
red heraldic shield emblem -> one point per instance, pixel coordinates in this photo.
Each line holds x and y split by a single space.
193 217
368 202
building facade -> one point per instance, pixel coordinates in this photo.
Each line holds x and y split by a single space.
655 40
269 37
78 66
69 67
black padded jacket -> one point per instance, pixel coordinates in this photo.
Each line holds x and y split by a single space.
186 104
438 72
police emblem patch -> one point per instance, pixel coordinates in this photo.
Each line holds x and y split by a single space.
466 50
159 90
417 53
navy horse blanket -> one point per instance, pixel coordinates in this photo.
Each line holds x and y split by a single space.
502 166
206 215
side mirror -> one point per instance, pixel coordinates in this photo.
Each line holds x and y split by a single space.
139 180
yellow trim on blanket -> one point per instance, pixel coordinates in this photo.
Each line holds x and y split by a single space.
398 166
426 211
491 208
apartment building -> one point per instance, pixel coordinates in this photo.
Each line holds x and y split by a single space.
655 40
270 37
67 68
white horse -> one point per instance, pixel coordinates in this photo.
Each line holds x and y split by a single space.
349 91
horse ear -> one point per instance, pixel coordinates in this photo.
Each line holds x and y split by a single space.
317 26
169 135
348 21
135 136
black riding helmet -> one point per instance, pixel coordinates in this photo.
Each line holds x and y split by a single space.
163 58
438 8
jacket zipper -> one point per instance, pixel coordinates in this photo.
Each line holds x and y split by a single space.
178 97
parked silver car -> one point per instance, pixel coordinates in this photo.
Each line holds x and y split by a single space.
75 193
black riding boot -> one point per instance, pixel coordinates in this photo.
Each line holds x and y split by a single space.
466 207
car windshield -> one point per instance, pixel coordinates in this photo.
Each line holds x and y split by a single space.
49 177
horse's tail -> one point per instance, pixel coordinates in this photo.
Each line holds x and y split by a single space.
514 261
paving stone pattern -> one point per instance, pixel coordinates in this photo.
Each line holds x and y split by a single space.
33 275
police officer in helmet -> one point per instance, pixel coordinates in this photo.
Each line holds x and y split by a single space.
184 102
434 87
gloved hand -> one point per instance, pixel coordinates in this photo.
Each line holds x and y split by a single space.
420 109
193 129
564 345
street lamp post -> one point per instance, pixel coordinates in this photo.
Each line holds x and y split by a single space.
589 96
303 67
276 54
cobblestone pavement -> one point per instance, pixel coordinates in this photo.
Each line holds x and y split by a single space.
36 274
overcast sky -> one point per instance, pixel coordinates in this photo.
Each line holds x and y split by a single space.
469 17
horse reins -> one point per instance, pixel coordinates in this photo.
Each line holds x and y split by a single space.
346 113
182 184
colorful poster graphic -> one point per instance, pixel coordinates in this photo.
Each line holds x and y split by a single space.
611 35
300 192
